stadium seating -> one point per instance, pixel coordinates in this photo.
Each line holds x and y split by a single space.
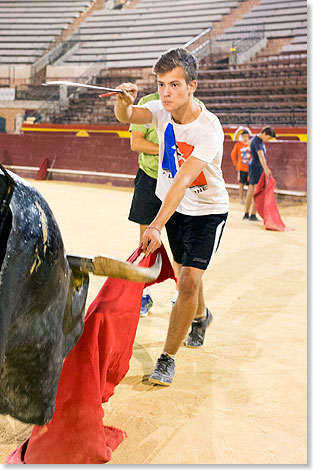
274 87
136 37
28 29
127 42
248 94
276 19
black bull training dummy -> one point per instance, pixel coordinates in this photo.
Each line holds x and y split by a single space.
42 299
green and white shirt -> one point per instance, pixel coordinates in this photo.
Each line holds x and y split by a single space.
147 162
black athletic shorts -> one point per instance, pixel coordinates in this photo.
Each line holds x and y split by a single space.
145 204
195 239
243 177
255 173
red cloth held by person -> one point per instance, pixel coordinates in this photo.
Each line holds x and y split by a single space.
266 206
98 362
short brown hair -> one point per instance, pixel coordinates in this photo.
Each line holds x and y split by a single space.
179 57
268 130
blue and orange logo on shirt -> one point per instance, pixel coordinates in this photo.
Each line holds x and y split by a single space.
169 156
178 152
245 155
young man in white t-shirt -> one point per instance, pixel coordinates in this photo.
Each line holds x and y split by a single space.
191 187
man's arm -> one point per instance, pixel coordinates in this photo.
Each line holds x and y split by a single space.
138 143
187 173
234 155
126 111
267 171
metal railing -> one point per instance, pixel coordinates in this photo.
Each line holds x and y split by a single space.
199 46
203 45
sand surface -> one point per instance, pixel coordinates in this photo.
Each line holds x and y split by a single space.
241 399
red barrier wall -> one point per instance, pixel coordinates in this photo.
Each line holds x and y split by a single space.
106 153
111 154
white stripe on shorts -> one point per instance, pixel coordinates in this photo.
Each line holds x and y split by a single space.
217 239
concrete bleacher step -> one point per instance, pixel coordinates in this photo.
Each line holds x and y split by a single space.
12 16
143 34
280 5
17 60
300 39
154 4
37 20
268 3
147 17
301 13
215 8
148 22
26 10
271 19
30 27
117 63
295 48
157 27
38 3
119 49
145 27
127 56
164 42
20 52
42 36
26 45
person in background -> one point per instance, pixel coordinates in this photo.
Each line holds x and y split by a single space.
240 156
145 204
257 165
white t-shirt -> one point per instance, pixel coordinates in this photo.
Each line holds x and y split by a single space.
203 139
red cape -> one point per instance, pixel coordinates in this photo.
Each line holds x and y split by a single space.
43 170
98 362
266 206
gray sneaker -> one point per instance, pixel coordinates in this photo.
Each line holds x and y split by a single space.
198 328
164 371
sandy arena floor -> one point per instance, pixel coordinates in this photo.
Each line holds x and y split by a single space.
241 399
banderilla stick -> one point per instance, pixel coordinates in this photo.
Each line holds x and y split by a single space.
75 84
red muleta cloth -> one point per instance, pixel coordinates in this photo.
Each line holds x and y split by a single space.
43 170
97 363
266 206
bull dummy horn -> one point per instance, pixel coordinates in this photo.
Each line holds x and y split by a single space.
104 265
